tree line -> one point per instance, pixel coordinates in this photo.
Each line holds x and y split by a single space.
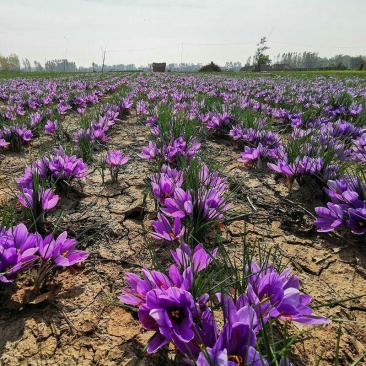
297 60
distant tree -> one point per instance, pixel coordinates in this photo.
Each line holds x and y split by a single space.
10 63
38 66
4 65
355 61
260 59
14 62
27 67
210 68
249 61
237 66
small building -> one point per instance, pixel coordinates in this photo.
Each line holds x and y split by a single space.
158 67
282 67
247 68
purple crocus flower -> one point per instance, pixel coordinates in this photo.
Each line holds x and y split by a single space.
198 259
149 152
282 167
357 220
250 155
35 119
18 250
172 311
164 186
116 158
126 104
235 346
240 312
135 295
11 262
330 217
64 253
50 127
141 107
46 199
277 295
165 231
179 206
4 143
67 167
63 107
212 204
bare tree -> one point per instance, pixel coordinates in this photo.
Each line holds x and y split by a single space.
260 59
26 65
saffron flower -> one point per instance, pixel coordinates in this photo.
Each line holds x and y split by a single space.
330 218
115 160
3 143
235 346
165 231
198 259
163 185
65 167
169 313
18 250
135 294
50 127
64 251
149 152
179 206
277 295
46 199
357 220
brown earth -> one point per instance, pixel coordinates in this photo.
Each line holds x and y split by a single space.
81 322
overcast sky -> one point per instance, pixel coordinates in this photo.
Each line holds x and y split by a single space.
145 31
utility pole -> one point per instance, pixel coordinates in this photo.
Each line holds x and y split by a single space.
181 58
103 53
65 55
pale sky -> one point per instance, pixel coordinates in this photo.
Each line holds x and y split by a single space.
145 31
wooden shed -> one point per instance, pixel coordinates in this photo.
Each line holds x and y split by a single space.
158 67
281 67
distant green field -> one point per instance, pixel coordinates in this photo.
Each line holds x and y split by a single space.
10 75
301 74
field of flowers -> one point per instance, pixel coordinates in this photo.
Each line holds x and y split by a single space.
150 219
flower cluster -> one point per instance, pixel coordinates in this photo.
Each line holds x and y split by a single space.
20 250
54 169
172 153
96 132
301 166
15 136
198 207
167 306
347 206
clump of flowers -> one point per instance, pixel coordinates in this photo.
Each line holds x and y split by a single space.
20 250
302 166
15 137
168 305
172 153
56 169
198 207
347 206
115 160
37 200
